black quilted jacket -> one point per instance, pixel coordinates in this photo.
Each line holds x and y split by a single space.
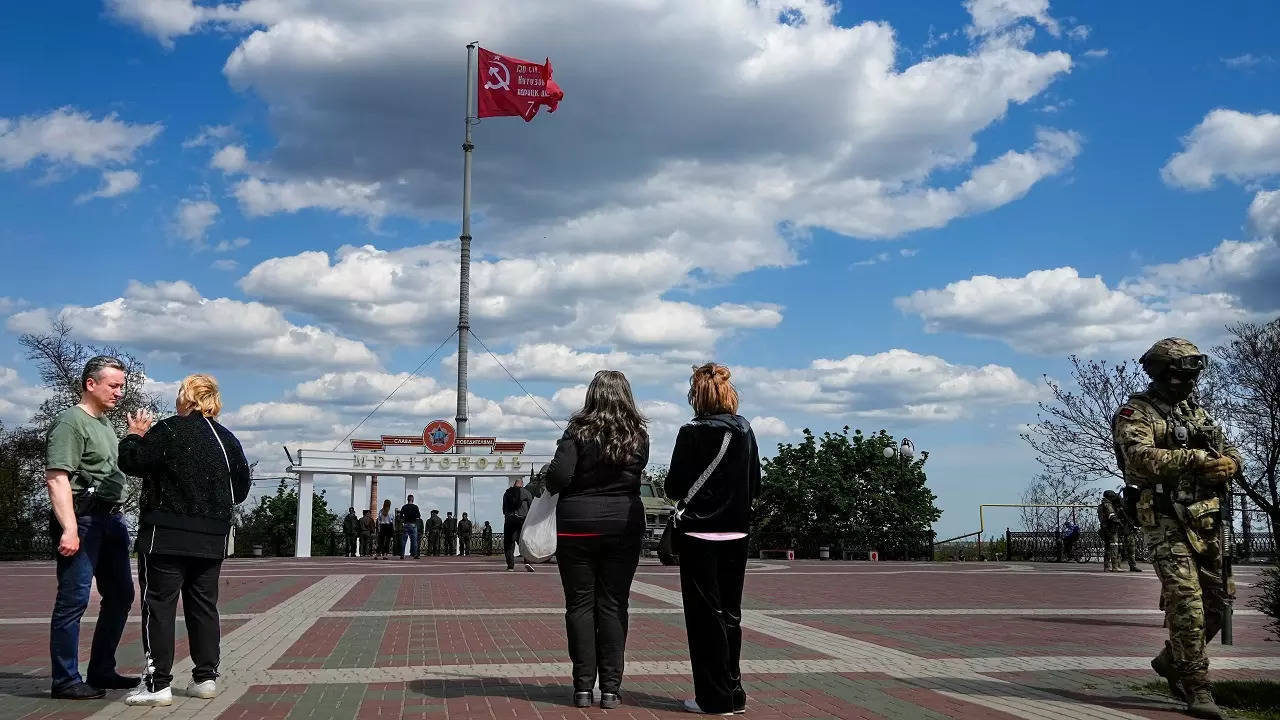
188 483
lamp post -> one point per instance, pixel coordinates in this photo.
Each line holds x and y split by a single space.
904 453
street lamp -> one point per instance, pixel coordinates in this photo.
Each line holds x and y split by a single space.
905 453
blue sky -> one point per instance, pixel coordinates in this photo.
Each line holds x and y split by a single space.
892 215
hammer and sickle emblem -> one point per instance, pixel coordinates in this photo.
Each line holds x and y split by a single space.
501 77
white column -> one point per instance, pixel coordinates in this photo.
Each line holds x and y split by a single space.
302 540
360 501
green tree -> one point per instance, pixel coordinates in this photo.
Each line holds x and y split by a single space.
273 522
841 486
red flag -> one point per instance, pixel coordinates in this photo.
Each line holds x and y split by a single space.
511 86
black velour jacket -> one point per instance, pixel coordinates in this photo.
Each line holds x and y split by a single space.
724 502
188 483
596 496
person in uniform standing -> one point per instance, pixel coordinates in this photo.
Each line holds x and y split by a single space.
434 526
450 535
350 531
1109 525
1169 446
486 537
464 535
368 532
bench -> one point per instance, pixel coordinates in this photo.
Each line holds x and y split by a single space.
778 554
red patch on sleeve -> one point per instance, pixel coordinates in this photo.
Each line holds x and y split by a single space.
1126 411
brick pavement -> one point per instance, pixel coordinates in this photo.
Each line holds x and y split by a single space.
455 638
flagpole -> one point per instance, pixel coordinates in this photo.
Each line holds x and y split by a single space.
464 282
464 273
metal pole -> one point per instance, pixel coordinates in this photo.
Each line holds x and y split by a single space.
464 280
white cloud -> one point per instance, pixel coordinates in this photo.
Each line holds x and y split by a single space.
1247 60
18 400
230 159
897 384
67 135
993 16
1238 146
591 298
209 135
172 317
192 220
1264 214
340 79
278 416
114 183
229 245
265 197
225 264
561 363
1048 312
768 426
1097 53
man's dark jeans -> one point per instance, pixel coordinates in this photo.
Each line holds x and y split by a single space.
511 537
410 534
104 555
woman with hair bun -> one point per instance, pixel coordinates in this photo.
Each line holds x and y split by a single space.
193 474
711 539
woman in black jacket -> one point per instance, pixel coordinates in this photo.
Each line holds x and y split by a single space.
193 473
712 539
600 522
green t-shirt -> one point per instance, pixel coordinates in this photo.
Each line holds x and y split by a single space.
88 449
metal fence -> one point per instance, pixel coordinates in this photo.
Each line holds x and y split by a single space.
918 546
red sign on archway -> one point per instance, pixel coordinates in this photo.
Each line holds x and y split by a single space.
438 436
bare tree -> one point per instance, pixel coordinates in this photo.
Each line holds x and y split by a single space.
1243 391
59 359
1060 490
1072 432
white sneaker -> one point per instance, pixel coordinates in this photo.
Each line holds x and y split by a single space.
692 706
145 697
205 690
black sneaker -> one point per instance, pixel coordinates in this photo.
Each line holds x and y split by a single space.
79 691
609 701
582 699
115 682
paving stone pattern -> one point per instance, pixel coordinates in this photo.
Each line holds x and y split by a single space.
459 638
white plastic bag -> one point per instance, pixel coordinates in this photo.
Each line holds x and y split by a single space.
538 536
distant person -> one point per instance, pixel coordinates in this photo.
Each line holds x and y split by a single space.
1070 536
486 538
712 537
350 531
386 530
194 473
368 532
515 506
450 534
434 528
597 469
86 486
464 535
409 516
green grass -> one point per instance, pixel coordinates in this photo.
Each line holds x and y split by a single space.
1255 699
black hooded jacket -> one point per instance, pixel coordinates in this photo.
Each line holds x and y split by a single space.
724 502
193 474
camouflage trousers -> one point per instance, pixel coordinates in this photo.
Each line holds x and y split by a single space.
1192 596
1111 547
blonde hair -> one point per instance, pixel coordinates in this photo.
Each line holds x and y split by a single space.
200 392
710 392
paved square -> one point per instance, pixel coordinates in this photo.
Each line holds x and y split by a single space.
457 638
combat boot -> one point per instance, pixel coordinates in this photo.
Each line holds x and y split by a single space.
1134 568
1201 704
1163 665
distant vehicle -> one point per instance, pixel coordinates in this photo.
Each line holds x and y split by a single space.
656 510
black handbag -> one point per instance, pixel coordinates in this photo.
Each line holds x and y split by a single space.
667 554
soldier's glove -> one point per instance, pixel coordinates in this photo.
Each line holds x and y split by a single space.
1218 470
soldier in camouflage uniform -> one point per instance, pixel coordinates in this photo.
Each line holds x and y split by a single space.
1117 533
1172 449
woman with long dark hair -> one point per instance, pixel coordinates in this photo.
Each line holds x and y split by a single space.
712 539
597 471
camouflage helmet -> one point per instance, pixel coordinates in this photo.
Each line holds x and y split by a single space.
1172 353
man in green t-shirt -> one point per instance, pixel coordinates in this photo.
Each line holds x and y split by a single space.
85 490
